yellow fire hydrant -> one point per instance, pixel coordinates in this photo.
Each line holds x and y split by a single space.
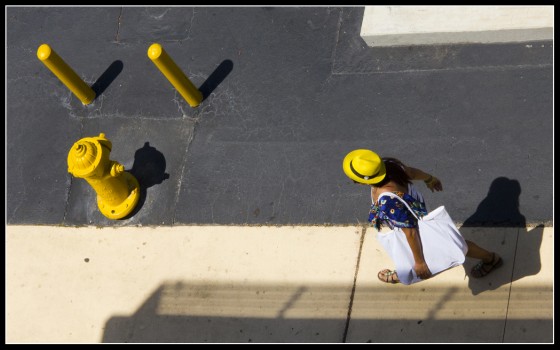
117 190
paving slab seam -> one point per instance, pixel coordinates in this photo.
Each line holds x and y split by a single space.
349 316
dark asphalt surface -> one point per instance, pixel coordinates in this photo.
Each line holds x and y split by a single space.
288 92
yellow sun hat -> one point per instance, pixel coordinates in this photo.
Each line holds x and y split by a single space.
364 166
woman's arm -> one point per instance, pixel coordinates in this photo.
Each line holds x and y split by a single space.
420 266
416 174
432 182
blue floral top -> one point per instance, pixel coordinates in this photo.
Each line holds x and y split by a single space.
394 213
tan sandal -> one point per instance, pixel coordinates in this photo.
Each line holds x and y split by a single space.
388 276
482 269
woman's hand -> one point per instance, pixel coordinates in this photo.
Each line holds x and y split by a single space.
422 270
433 183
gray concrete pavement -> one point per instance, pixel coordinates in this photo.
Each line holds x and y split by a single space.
290 90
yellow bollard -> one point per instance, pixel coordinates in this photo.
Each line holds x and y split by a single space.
175 76
63 72
117 190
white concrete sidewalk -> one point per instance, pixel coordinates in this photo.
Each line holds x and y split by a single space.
264 284
429 25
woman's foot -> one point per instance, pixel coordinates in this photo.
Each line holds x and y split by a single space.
483 268
388 276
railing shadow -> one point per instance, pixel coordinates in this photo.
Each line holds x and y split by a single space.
194 312
230 312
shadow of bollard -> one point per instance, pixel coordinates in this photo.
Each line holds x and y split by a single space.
216 78
107 78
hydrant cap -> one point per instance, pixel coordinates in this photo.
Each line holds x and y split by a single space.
84 157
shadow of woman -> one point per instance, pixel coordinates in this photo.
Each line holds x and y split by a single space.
149 170
500 208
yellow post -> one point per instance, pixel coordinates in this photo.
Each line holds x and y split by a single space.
117 190
63 72
174 74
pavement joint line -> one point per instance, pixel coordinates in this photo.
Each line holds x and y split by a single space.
510 285
349 315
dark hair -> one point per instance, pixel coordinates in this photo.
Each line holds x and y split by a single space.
395 172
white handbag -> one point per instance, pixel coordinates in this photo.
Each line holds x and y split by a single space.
442 244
